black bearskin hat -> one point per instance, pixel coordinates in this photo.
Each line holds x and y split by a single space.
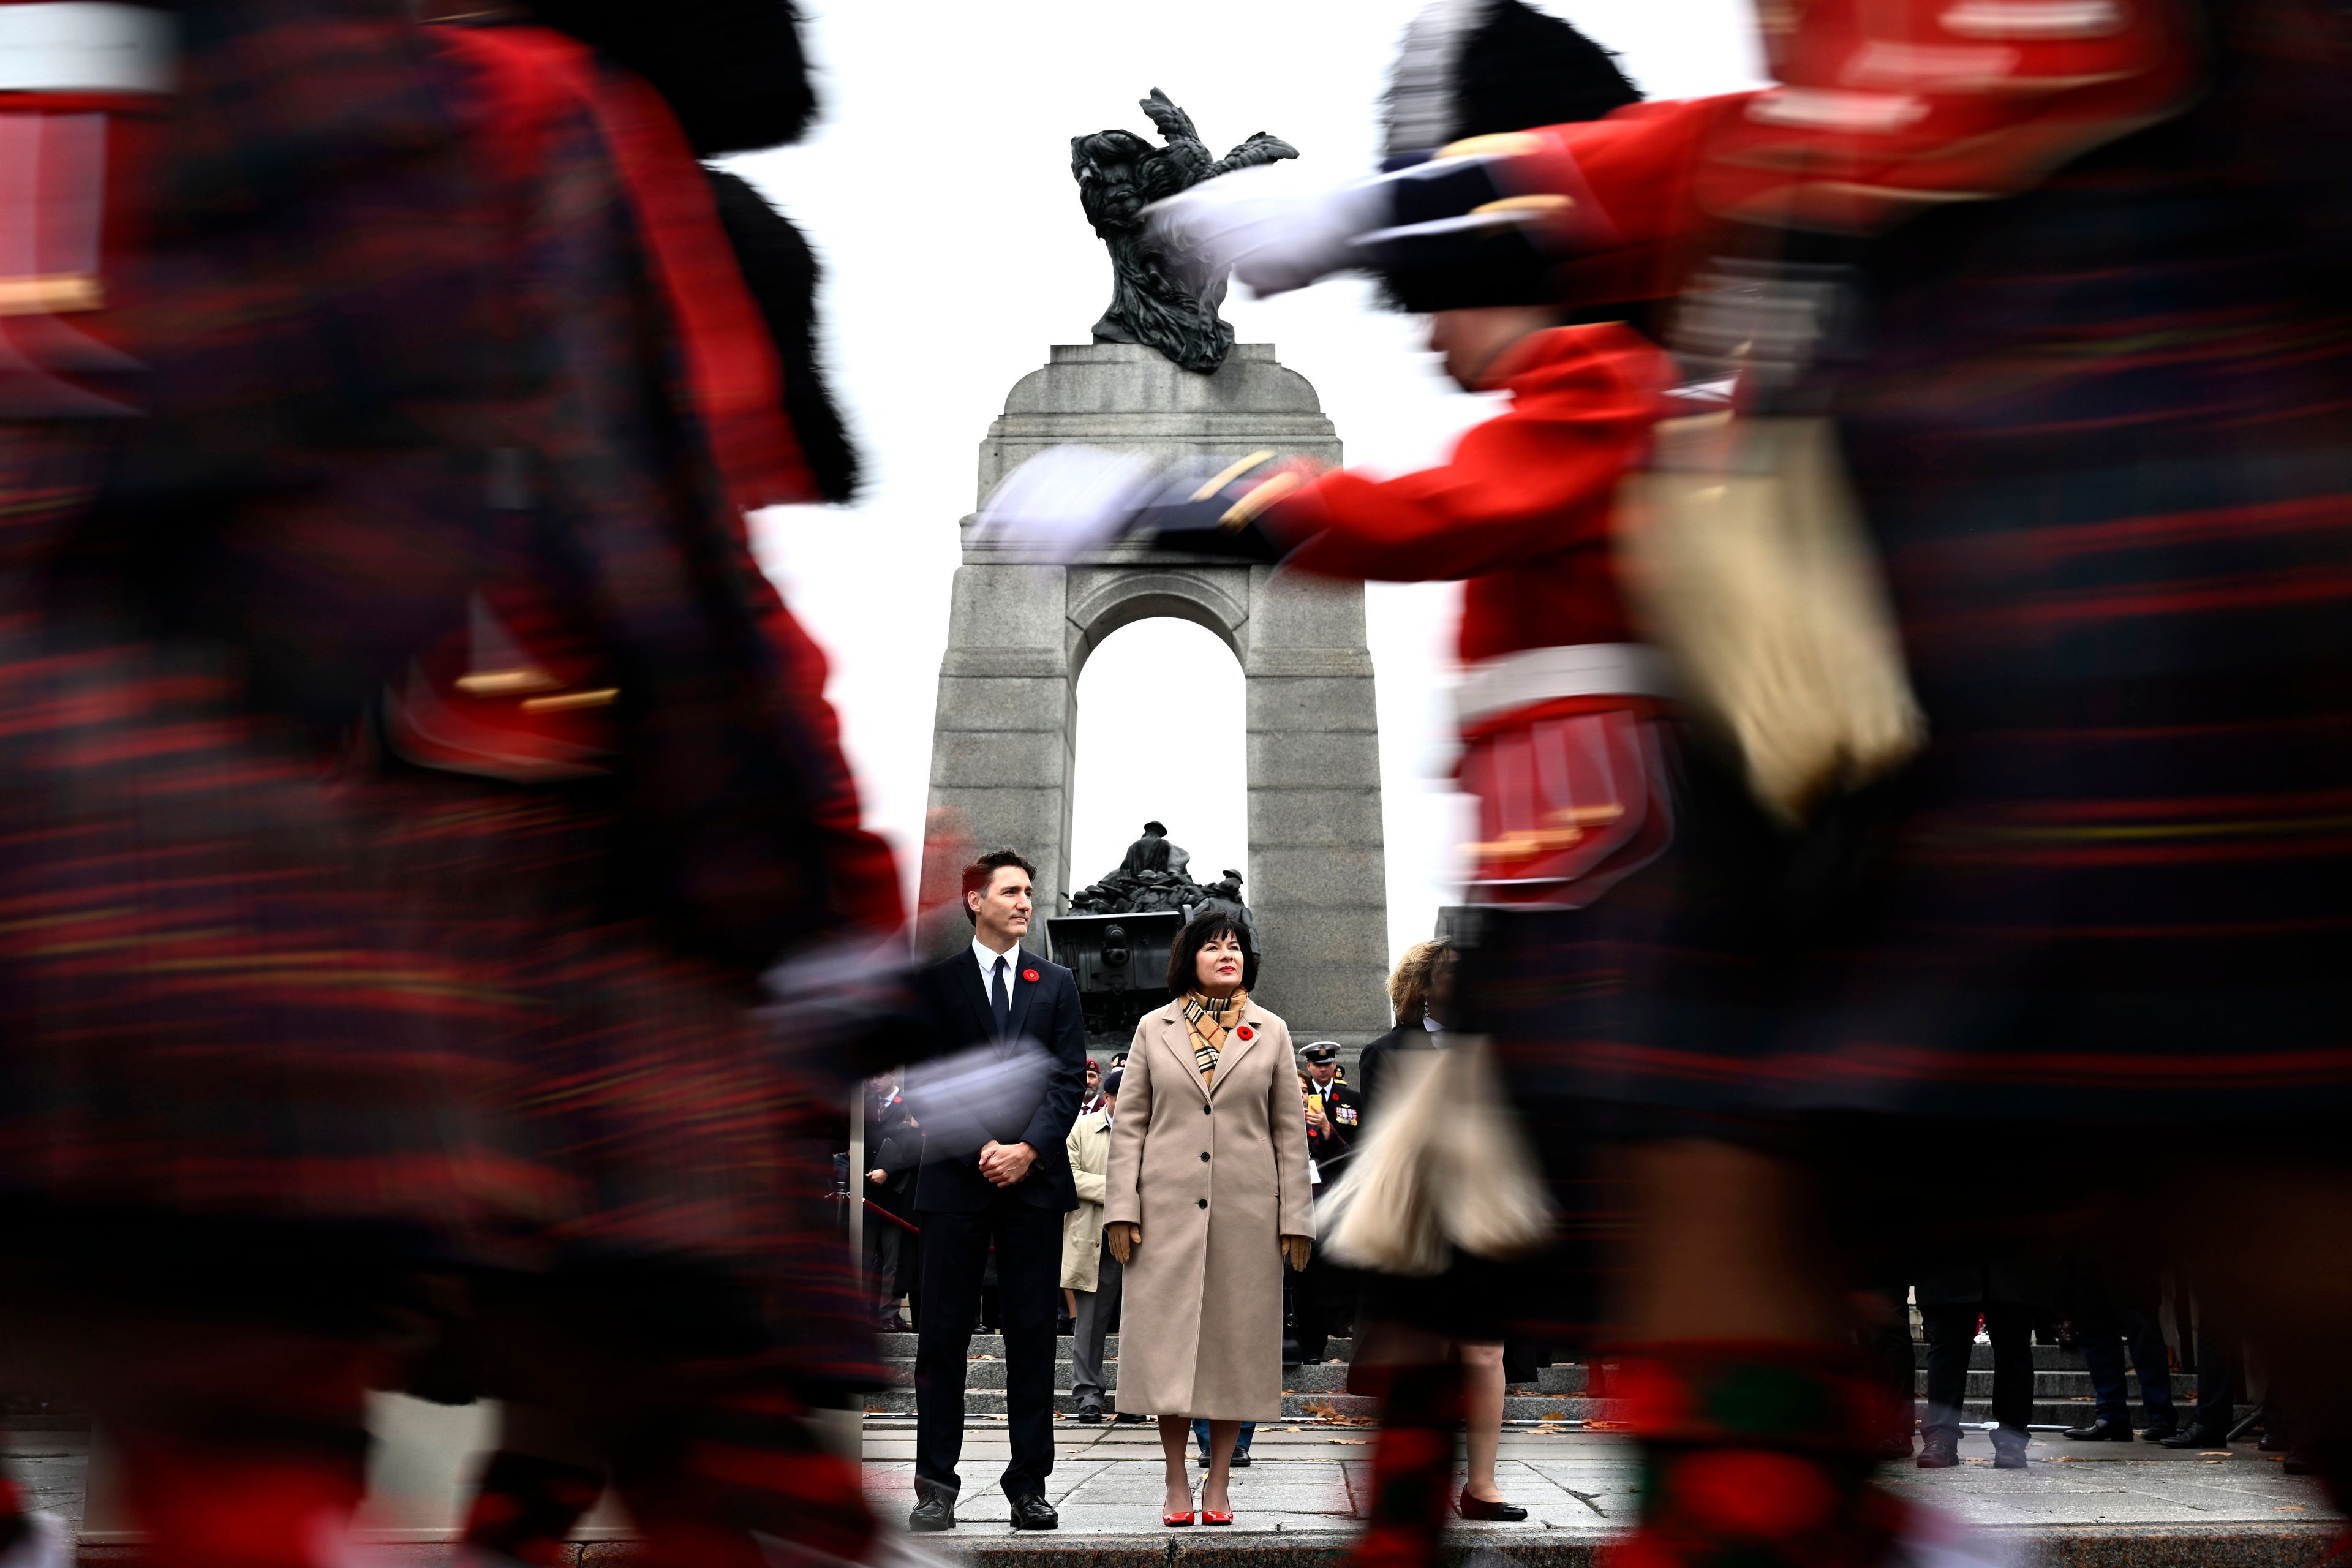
732 70
782 273
1475 67
1480 68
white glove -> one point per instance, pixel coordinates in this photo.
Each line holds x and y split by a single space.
1273 233
1066 501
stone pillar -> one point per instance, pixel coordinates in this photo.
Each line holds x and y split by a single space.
1021 629
1319 870
1003 738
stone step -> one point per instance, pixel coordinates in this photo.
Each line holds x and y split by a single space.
1295 1407
2059 1385
901 1347
1325 1377
2046 1358
2056 1412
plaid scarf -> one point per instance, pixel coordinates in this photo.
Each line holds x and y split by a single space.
1210 1019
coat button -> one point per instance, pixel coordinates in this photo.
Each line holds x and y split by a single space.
1204 1203
1204 1156
1204 1110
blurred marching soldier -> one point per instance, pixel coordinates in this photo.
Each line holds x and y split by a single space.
2017 836
243 1112
1561 712
435 496
673 313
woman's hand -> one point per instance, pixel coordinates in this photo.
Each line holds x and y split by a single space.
1124 1236
1315 1119
1297 1249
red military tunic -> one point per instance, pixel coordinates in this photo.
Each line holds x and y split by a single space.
1556 695
1522 510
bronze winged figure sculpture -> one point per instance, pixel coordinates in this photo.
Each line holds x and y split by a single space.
1159 299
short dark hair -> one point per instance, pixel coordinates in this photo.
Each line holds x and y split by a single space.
982 871
1184 957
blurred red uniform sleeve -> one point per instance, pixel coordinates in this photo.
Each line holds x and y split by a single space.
1525 486
1882 109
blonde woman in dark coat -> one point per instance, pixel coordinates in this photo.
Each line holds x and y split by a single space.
1206 1200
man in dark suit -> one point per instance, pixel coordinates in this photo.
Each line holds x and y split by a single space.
894 1148
1012 1194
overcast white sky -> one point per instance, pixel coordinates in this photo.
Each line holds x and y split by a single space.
937 189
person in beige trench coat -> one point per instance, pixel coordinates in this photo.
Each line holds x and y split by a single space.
1208 1176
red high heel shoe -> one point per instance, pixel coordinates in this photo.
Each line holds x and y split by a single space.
1173 1520
1209 1518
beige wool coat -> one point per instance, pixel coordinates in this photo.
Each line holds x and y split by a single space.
1089 1145
1216 1177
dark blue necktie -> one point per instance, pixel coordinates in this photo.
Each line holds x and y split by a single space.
999 998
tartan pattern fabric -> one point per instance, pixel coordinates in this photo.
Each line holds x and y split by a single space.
1753 1455
1412 1467
500 1026
207 1013
2100 432
1209 1019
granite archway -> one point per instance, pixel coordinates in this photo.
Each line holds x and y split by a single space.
1021 629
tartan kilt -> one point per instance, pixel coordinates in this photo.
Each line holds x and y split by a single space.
209 1021
684 1153
2103 435
1544 986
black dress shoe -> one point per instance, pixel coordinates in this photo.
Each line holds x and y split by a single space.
1031 1511
1240 1461
1497 1512
2009 1450
931 1514
1893 1445
1089 1414
1938 1451
1129 1419
2105 1429
2192 1437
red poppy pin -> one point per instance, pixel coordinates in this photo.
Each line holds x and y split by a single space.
1030 975
1246 1033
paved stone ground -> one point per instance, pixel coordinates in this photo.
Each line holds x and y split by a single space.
2078 1506
1106 1481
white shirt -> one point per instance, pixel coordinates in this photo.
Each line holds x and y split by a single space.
1011 957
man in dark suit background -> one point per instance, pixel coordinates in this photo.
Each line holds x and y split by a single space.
1012 1194
894 1148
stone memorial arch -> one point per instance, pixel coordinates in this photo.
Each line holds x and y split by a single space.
1003 743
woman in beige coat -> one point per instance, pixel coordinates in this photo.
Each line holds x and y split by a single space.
1206 1197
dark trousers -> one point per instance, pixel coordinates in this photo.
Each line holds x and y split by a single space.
882 1240
2107 1332
1318 1298
1951 1339
1028 1242
2217 1379
1090 1329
